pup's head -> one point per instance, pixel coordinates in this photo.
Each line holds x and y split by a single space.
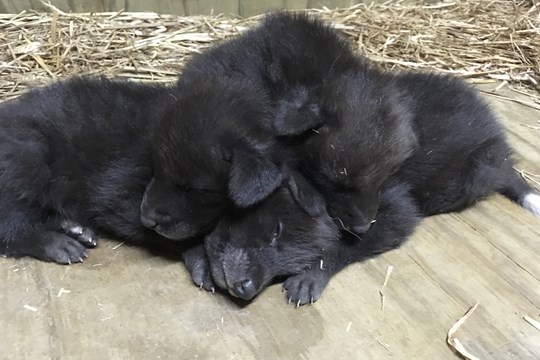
210 150
366 137
282 235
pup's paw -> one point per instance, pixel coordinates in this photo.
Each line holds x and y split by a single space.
60 248
203 278
306 287
199 268
84 235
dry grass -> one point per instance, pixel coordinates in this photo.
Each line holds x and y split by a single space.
476 39
454 342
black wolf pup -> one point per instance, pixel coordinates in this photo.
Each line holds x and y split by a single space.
74 160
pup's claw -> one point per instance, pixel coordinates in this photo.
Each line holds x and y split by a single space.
306 287
78 232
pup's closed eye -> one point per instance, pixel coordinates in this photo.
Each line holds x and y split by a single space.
276 232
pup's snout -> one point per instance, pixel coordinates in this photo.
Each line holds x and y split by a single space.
147 222
244 289
151 219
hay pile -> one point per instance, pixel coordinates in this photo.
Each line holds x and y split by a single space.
477 39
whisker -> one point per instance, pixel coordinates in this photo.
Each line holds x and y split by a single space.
341 222
353 234
347 230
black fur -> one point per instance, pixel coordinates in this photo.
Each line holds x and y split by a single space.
74 159
290 56
77 157
315 80
462 152
301 87
282 98
277 237
212 145
211 141
237 121
460 156
366 136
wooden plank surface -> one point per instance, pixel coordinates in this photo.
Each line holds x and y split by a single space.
126 303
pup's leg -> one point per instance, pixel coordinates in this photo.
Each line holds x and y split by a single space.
24 233
50 246
520 192
395 221
485 172
27 228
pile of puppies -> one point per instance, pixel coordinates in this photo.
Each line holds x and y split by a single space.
281 152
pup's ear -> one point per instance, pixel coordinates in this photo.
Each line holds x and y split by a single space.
297 114
305 194
252 178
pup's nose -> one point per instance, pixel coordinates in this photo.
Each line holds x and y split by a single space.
360 229
147 222
244 289
151 218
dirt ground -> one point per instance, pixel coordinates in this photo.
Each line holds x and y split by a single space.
124 302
